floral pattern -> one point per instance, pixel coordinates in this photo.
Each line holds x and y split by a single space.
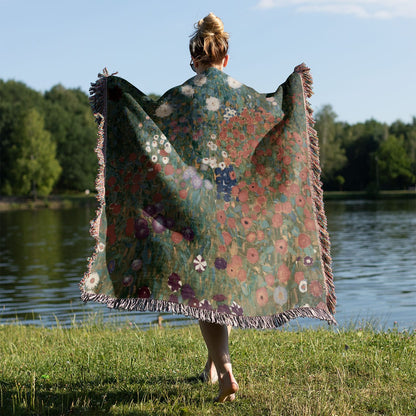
209 199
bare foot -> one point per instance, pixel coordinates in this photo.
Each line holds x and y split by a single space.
209 375
228 388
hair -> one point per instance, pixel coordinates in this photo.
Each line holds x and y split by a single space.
209 42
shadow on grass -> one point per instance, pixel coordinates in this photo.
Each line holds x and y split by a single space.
98 397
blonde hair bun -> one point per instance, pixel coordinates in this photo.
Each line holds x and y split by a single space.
209 43
211 25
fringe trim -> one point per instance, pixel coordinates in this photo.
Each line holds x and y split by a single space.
98 100
98 103
317 193
255 322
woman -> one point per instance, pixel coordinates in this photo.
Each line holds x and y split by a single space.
211 203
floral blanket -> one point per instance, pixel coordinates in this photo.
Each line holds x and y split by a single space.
210 202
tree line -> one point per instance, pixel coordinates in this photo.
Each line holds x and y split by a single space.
47 143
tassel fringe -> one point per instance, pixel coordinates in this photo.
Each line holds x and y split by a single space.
317 193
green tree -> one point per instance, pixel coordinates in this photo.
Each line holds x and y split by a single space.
70 120
35 168
332 154
15 97
361 142
394 164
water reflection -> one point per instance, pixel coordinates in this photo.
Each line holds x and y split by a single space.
43 256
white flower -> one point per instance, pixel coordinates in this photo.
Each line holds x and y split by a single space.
280 295
233 83
154 143
156 136
187 90
271 100
136 264
213 162
205 161
213 136
213 104
92 281
200 80
212 145
154 158
148 149
229 112
163 137
222 165
200 264
101 247
168 147
303 286
127 280
164 110
224 154
165 160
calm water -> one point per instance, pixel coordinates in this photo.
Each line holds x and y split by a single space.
43 256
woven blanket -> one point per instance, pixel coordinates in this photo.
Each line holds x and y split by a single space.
210 202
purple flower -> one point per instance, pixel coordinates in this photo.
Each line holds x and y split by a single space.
219 298
141 229
236 309
188 233
205 305
189 173
143 292
220 263
196 182
111 265
193 302
187 292
223 308
158 224
308 261
174 282
150 210
173 298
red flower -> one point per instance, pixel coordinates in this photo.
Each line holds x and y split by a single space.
281 246
304 240
315 288
247 222
283 273
299 276
252 255
227 237
221 217
143 292
277 220
261 296
111 234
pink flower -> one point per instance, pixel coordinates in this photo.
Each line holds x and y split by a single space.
261 296
315 288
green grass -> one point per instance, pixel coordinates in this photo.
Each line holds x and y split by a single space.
104 369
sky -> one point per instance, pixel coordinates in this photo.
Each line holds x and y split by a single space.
361 53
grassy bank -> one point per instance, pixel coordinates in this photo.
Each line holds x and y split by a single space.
104 370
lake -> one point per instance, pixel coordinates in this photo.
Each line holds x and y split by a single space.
43 257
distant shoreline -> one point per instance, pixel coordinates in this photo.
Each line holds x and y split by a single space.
66 201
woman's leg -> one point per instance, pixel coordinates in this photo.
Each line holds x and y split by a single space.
216 339
210 372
